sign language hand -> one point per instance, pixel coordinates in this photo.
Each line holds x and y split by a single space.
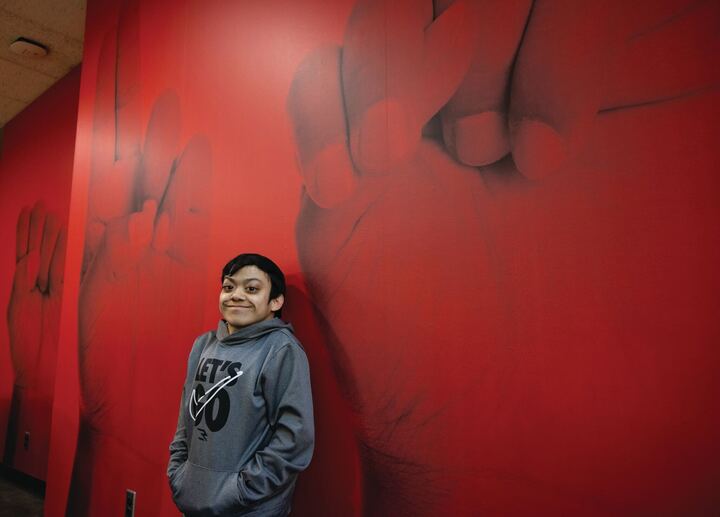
543 70
33 322
34 309
403 243
389 230
146 239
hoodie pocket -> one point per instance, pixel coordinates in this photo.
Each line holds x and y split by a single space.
206 492
176 479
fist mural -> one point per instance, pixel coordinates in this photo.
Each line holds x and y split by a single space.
479 180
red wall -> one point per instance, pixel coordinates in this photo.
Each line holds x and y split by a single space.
36 167
244 200
499 225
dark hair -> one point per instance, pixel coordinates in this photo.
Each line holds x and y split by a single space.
277 279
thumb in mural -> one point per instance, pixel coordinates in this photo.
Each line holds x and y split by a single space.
413 254
146 238
33 320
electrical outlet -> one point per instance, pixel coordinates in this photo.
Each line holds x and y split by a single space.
26 440
130 503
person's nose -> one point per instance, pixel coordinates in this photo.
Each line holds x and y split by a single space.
237 294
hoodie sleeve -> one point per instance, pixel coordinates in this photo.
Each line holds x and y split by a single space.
178 446
286 387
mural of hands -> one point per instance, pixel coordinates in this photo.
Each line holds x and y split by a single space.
146 239
427 270
33 322
542 71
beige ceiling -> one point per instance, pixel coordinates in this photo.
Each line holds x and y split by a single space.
58 25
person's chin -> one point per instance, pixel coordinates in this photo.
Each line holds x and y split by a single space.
239 323
235 322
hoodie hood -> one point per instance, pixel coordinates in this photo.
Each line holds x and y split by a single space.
250 332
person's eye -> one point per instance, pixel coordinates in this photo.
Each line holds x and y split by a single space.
227 288
251 289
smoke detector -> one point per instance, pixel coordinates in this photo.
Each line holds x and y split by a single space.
28 48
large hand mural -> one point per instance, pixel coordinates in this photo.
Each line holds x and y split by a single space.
471 310
34 199
500 228
33 322
144 258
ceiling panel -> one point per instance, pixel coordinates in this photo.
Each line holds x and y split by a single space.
9 108
63 52
57 25
63 16
21 83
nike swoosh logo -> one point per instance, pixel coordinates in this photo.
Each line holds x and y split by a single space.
209 395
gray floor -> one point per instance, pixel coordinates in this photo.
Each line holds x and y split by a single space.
18 498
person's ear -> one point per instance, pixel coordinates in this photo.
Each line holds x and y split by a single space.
277 303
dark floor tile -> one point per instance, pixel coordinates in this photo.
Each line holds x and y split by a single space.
20 495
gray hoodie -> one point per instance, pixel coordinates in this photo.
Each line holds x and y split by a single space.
246 427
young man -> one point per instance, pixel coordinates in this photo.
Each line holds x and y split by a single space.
245 428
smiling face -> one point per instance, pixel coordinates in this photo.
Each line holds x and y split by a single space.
245 298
